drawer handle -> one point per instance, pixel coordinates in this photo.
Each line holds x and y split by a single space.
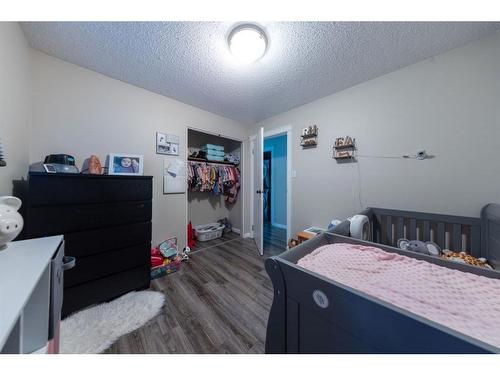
68 263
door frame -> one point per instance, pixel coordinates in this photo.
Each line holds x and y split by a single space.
283 130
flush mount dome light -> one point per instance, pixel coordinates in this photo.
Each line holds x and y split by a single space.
247 43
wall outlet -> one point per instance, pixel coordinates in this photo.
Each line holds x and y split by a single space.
294 174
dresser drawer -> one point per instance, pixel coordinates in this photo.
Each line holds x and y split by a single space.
50 220
108 263
47 189
85 243
105 289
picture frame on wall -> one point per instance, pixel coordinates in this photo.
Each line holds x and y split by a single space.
125 164
167 144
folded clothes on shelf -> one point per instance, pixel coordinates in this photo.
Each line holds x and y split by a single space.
209 146
215 158
232 158
211 151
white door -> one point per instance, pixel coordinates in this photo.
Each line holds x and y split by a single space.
258 187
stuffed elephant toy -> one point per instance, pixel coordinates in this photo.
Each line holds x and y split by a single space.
428 248
11 222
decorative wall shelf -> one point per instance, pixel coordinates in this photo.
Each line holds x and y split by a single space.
309 137
344 149
309 143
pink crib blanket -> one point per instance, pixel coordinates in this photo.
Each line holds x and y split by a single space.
465 302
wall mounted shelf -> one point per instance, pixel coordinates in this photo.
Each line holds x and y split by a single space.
344 149
309 137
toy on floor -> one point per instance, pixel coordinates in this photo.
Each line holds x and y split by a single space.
190 236
463 257
292 243
168 248
428 248
156 261
165 258
227 225
185 253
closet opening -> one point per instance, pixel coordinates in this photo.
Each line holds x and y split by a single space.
214 198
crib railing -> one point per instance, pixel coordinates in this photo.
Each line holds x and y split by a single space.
456 233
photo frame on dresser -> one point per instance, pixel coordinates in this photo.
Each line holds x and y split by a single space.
125 164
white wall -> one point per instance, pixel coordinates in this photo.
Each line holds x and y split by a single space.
278 146
80 112
15 104
448 105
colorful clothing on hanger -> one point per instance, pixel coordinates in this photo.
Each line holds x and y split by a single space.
217 179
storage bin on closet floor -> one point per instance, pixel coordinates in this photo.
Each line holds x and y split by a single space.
208 232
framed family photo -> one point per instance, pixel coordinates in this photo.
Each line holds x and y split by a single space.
125 164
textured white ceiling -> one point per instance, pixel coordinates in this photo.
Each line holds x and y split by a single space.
190 62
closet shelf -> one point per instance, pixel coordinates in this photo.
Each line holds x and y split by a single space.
212 162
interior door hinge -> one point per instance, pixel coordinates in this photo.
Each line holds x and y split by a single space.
253 227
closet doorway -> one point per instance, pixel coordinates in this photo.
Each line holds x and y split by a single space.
271 214
215 184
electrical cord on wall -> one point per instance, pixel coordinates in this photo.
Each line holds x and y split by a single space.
360 186
420 155
359 195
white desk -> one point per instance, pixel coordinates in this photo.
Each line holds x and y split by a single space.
25 294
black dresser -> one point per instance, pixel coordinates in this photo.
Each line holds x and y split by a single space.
106 222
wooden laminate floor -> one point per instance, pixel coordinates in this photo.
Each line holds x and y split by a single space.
274 240
205 244
217 303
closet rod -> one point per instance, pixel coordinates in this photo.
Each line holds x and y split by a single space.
212 162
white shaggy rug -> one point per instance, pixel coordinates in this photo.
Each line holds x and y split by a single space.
95 329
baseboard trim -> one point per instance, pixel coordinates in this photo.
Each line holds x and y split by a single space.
248 235
236 230
282 226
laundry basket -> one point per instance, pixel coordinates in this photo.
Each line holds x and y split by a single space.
207 232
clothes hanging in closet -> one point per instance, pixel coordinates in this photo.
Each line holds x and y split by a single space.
217 179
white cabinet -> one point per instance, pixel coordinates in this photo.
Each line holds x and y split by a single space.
25 292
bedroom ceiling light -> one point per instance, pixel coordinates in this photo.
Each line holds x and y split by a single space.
247 43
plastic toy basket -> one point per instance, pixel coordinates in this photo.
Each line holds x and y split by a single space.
165 269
